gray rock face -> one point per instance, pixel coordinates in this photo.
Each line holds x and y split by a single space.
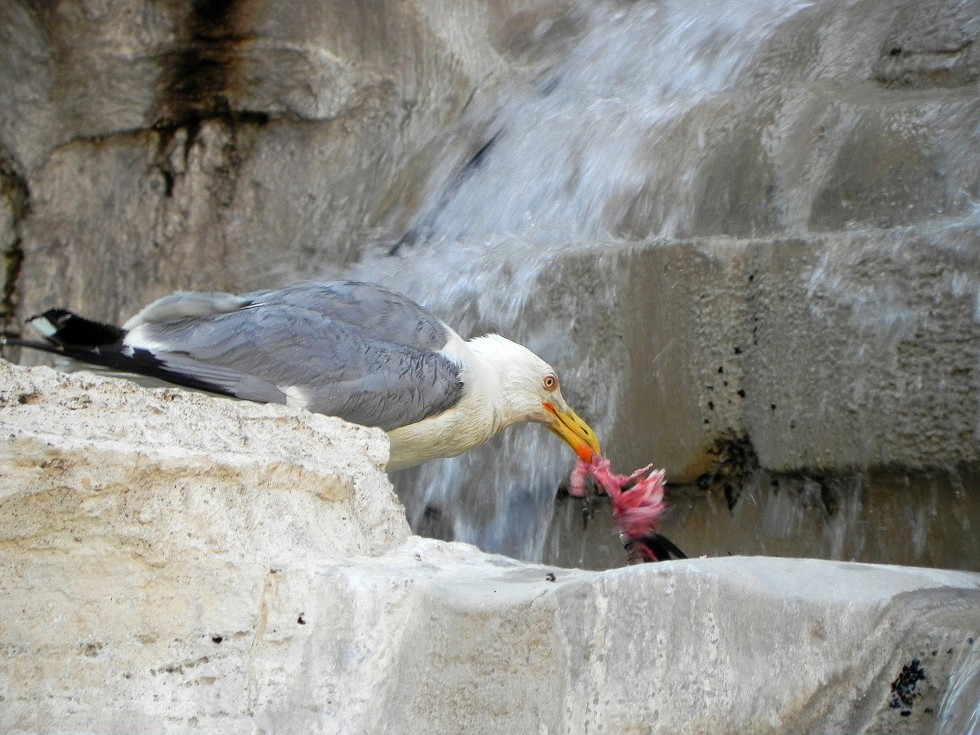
824 352
172 563
229 147
152 148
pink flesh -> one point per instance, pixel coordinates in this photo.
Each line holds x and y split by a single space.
637 509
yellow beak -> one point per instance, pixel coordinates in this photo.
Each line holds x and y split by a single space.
574 431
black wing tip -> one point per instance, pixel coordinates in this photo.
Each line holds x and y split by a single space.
115 357
654 547
15 340
67 329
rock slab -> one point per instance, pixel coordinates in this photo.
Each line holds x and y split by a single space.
175 563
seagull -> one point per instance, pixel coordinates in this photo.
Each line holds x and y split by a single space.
342 348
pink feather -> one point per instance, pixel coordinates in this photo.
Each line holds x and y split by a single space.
638 499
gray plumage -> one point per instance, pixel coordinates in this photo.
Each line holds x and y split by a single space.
348 349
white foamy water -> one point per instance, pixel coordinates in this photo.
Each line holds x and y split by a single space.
569 157
575 151
607 148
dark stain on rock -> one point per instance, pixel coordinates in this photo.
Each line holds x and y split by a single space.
734 459
14 190
434 523
91 650
904 687
203 76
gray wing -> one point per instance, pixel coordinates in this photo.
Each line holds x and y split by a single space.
385 315
344 349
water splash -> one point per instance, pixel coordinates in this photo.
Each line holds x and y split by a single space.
959 711
573 155
607 148
500 496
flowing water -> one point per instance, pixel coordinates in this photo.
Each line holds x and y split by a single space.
571 165
573 153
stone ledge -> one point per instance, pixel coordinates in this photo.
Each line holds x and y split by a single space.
107 453
175 563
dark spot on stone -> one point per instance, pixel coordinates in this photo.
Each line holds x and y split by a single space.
434 523
731 497
711 405
740 392
792 424
738 350
204 75
734 460
828 496
550 576
92 649
895 51
721 369
216 639
168 183
480 156
301 620
772 406
904 687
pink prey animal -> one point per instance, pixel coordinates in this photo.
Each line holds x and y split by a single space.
638 504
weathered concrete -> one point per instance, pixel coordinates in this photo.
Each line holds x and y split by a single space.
139 458
228 148
172 563
828 354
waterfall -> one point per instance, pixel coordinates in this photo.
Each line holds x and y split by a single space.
718 122
563 171
575 157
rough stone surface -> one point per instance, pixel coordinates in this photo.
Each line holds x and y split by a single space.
230 146
172 563
228 478
830 354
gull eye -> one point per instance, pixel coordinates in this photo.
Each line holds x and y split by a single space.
550 383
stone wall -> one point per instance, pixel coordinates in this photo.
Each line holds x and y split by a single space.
179 148
828 193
